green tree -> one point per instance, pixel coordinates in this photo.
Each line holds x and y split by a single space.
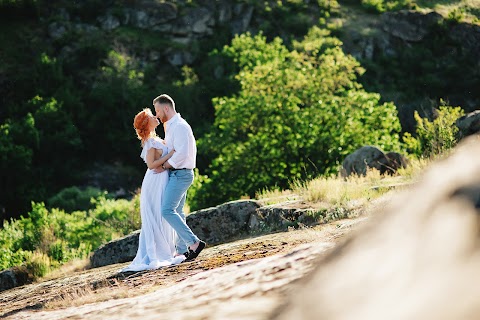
59 144
298 114
18 141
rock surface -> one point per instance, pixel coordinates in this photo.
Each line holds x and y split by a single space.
370 157
213 225
469 124
245 279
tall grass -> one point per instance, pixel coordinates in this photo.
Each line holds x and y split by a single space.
339 191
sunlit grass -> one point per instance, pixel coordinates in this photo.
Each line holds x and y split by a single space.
67 269
339 191
273 196
463 10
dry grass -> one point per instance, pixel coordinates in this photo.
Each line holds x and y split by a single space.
67 269
468 9
78 296
338 191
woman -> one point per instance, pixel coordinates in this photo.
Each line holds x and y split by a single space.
156 246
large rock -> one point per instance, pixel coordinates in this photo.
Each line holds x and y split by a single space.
14 277
224 222
364 158
213 225
468 35
469 124
369 157
410 25
419 259
116 251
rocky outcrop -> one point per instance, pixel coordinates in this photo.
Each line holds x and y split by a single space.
409 25
370 157
116 251
279 218
398 36
181 25
418 260
14 277
213 225
221 224
224 222
469 124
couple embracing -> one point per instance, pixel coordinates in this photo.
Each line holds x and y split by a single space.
165 238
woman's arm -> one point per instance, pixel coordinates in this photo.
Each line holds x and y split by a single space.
152 163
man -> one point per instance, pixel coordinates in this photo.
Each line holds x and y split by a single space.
179 136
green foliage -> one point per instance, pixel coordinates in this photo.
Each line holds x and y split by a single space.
118 86
38 264
47 238
192 196
435 68
74 198
434 137
298 114
18 140
56 132
380 6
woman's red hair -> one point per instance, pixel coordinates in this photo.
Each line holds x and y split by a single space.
140 123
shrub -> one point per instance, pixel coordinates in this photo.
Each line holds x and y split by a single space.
434 137
74 198
47 238
38 264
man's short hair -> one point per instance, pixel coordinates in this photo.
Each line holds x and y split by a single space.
165 99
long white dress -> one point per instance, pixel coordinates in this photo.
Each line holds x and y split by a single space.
156 246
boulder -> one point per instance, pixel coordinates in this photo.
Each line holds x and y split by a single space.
14 277
362 159
116 251
395 161
213 225
409 25
369 157
469 124
224 222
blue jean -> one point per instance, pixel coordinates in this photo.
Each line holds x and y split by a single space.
172 207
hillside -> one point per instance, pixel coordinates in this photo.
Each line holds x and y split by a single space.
68 68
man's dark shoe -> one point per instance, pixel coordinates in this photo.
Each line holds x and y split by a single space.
193 254
186 254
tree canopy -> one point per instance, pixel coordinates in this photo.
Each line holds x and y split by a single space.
298 113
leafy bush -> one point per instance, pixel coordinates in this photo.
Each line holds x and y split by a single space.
74 198
386 5
434 137
47 238
38 264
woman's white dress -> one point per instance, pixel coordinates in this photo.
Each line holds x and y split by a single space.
156 246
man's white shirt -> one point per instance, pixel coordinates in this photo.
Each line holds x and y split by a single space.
179 135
